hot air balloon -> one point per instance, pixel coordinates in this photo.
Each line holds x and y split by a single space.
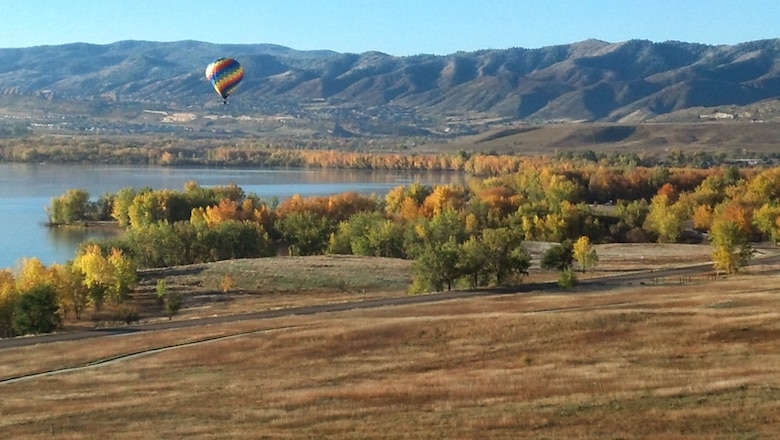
225 74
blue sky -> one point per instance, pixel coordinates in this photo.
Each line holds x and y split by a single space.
397 27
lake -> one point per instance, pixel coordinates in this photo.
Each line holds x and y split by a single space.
26 190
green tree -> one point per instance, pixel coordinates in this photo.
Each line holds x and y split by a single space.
369 233
37 311
443 226
352 235
161 289
173 303
305 232
233 239
170 301
559 257
473 262
567 278
162 244
436 267
386 239
506 257
436 251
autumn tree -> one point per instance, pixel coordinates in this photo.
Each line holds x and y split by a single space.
584 254
72 293
767 221
108 278
732 250
444 197
69 208
9 295
702 217
664 219
740 212
500 201
146 209
124 275
765 186
121 208
31 273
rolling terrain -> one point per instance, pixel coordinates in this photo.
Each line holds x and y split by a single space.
136 86
680 358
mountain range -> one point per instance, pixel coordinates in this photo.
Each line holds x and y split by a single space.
596 81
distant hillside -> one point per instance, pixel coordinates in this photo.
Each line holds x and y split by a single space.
633 81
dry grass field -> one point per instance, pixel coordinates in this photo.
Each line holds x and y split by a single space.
674 361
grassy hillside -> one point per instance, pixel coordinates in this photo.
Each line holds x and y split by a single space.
674 361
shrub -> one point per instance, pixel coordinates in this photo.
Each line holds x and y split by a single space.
567 279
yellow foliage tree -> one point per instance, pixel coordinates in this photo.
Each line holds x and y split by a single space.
767 220
123 277
32 273
732 249
97 273
702 217
72 294
665 219
443 197
584 254
226 210
9 294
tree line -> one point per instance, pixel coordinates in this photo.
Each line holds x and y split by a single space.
457 235
324 153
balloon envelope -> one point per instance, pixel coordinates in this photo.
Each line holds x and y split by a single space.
225 74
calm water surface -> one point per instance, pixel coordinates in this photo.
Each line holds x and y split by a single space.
26 190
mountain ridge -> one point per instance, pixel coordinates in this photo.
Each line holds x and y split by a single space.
591 80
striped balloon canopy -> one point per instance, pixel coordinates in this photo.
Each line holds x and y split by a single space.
225 74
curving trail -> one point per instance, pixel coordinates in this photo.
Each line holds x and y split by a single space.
640 278
133 355
643 277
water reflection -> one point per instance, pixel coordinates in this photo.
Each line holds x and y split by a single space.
26 190
64 240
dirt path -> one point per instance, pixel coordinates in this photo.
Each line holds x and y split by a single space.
133 355
646 278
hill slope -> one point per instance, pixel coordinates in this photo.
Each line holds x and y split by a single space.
586 81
